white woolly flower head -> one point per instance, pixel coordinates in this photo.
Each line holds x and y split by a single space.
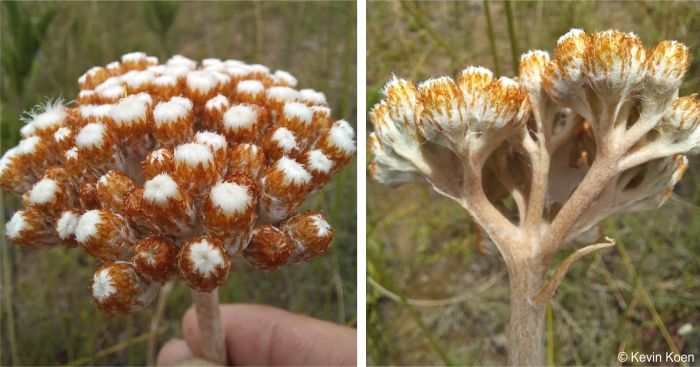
230 197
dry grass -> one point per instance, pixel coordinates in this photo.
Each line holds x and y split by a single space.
424 246
54 322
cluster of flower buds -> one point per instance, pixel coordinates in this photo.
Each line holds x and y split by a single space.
166 171
601 94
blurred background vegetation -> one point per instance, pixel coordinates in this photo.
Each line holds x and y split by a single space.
47 317
434 297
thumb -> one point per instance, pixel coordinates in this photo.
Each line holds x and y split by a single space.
263 335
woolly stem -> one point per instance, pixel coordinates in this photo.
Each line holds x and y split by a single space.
212 335
526 329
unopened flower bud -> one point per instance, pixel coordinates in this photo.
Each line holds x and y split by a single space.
614 62
250 92
320 166
283 189
204 263
666 65
337 143
155 258
280 142
297 117
247 159
310 233
242 123
213 114
30 228
230 211
103 234
117 288
65 227
195 167
277 97
268 249
47 195
157 162
111 189
173 123
168 206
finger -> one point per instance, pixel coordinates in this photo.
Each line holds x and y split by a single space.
174 351
263 335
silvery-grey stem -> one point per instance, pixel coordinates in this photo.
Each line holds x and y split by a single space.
212 335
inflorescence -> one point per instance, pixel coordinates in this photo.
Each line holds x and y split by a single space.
170 170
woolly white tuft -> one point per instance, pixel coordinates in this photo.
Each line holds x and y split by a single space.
91 135
160 189
240 116
345 126
66 224
71 153
210 139
299 111
217 102
136 79
201 81
102 286
294 172
112 92
232 198
61 134
168 112
250 87
259 68
285 139
87 225
184 102
284 94
95 110
205 257
340 139
574 32
28 145
179 60
312 96
54 113
322 227
16 225
129 110
43 191
319 162
165 81
193 154
133 56
286 78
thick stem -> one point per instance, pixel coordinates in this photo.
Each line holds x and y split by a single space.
526 331
212 335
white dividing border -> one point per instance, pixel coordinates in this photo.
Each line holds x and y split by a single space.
361 48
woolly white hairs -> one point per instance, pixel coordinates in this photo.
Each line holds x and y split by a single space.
508 82
129 110
232 198
27 145
61 134
165 81
179 60
202 81
54 113
240 116
285 139
573 32
286 77
205 257
6 158
319 162
102 286
250 87
66 224
234 63
211 61
43 191
16 225
259 68
95 110
285 94
312 96
345 126
298 110
214 67
27 130
193 154
220 78
71 154
86 93
237 71
322 226
113 81
90 72
294 172
157 155
184 102
133 56
144 97
87 225
477 70
114 65
321 109
340 139
211 139
217 102
160 189
138 78
177 71
168 112
112 92
156 69
152 59
91 135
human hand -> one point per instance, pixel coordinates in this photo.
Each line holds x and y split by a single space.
264 335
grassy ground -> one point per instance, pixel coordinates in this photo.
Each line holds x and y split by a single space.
423 247
53 321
